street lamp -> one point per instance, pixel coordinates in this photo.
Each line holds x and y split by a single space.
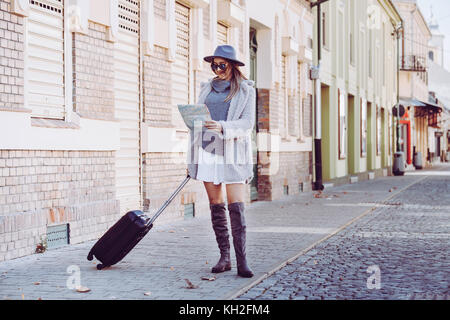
398 112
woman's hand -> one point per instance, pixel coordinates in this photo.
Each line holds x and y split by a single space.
214 126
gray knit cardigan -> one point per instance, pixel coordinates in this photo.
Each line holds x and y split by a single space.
237 131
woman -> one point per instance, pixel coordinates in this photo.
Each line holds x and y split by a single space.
221 152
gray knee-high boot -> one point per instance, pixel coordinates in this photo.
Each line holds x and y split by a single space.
238 230
219 223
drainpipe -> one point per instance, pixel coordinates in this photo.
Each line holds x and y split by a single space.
315 75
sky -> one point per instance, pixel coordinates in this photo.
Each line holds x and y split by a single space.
441 11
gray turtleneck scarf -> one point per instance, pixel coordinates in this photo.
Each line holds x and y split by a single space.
219 111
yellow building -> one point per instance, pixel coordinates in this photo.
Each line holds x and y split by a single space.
358 88
415 37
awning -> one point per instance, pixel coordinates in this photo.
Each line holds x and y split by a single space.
433 107
411 102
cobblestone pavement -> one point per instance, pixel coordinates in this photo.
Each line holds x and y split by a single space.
401 250
278 232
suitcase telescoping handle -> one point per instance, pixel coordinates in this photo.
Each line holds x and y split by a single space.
168 201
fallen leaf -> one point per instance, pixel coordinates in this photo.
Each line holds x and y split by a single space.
172 268
190 284
209 278
318 195
147 293
23 297
206 262
82 289
37 283
171 231
39 298
315 261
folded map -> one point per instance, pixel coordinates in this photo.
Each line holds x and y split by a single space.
194 112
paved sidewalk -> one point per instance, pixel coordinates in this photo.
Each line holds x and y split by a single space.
278 232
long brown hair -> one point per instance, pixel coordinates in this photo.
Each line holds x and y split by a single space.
236 78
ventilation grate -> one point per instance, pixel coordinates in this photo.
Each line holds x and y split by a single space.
189 210
58 236
54 6
129 15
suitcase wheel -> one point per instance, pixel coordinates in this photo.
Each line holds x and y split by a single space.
90 256
100 266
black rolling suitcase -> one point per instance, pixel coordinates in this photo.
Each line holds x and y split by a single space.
126 233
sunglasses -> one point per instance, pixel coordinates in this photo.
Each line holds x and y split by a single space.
222 66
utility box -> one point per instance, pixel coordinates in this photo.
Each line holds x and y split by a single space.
399 167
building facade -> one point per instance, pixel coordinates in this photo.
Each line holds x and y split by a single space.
414 129
439 80
89 127
358 88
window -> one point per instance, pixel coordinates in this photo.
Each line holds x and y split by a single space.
342 110
276 41
389 128
352 30
352 56
222 34
340 46
206 21
45 59
284 98
370 53
378 130
431 55
363 128
301 107
383 50
324 26
159 8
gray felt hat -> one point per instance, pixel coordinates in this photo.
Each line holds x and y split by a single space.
224 51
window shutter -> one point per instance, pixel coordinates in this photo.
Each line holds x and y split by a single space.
181 66
284 100
206 21
45 55
160 8
127 105
222 34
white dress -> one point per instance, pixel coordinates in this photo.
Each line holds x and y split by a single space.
210 168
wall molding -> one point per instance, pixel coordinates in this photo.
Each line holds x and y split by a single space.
20 7
18 133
